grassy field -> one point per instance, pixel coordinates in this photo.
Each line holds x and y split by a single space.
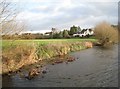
9 43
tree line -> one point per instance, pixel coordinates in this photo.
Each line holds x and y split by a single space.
48 35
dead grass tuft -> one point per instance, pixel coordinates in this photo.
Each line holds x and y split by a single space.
15 58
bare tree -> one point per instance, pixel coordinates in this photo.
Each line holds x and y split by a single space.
7 11
13 27
8 14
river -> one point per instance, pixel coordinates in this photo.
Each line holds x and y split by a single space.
94 67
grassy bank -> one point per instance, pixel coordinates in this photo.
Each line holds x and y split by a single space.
16 54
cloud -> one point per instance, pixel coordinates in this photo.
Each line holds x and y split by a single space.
45 14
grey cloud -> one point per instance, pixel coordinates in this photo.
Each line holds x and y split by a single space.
89 13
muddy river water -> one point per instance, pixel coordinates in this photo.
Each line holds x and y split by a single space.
94 67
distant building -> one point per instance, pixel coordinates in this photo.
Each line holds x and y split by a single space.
48 33
84 33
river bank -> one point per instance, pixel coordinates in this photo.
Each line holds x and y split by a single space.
94 67
19 56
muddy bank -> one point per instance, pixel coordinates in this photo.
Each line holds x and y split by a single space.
20 56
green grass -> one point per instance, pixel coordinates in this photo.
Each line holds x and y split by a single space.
13 43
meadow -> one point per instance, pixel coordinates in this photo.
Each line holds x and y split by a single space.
9 43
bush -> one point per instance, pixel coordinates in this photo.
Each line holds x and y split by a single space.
106 34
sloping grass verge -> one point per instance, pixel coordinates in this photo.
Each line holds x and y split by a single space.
20 55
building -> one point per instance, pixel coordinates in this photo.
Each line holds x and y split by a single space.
84 33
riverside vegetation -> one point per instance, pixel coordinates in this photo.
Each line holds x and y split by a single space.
19 53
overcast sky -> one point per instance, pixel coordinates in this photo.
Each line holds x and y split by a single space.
42 15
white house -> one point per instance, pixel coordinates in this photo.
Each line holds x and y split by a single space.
89 32
84 33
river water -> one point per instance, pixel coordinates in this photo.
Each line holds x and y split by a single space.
95 67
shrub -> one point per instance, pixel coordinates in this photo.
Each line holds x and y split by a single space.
106 34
